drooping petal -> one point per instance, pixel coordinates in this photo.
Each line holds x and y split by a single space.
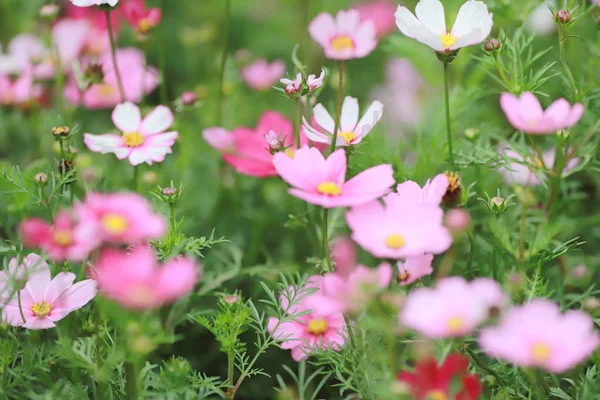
323 118
313 134
127 117
371 117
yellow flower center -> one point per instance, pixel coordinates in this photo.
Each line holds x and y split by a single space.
341 43
40 309
145 26
106 90
455 324
317 326
290 152
329 188
133 139
403 276
63 238
348 137
114 224
436 395
141 295
540 353
448 40
395 241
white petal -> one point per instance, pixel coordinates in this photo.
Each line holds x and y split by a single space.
323 118
157 121
313 134
371 117
473 24
349 114
410 26
126 116
102 143
431 14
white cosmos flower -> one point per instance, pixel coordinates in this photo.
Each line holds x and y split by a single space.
473 25
88 3
351 131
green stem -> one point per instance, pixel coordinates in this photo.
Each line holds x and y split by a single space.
307 39
522 238
162 61
501 72
100 384
62 150
325 238
230 376
563 61
298 122
484 367
223 62
557 169
448 122
113 51
131 385
172 215
134 180
20 306
338 115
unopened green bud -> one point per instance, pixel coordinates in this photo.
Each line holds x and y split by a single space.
472 134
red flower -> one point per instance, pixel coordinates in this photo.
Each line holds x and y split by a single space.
431 381
143 20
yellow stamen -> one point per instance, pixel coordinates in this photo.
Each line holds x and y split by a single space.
341 43
317 326
455 324
63 238
403 276
114 224
348 137
40 309
436 395
395 241
106 90
540 353
145 26
448 40
290 153
133 139
329 188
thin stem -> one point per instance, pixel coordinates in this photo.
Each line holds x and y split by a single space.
558 167
298 122
163 66
338 115
448 122
172 215
522 238
501 71
223 61
134 180
62 150
113 51
483 366
131 386
230 375
20 306
307 38
325 239
563 61
100 385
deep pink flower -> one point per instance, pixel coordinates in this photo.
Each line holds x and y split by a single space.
381 13
142 19
120 218
526 114
453 308
261 75
411 193
136 281
343 255
399 230
88 3
321 181
143 140
15 275
344 37
539 335
59 241
414 268
44 301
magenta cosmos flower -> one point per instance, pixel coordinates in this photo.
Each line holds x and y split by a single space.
453 308
15 275
344 37
119 218
398 229
44 301
142 19
321 181
351 131
431 193
261 75
143 140
135 280
526 114
539 335
314 330
414 268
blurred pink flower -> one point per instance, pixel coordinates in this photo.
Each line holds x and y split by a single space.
539 335
351 131
526 114
399 230
457 220
59 241
24 51
142 19
188 98
453 308
321 181
414 268
219 138
20 93
14 276
343 255
143 140
136 281
381 13
88 3
344 37
138 80
96 42
410 192
313 82
44 301
118 218
261 75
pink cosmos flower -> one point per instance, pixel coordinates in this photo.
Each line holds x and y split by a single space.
410 192
14 277
539 335
24 51
219 138
343 255
414 268
321 181
142 19
138 80
96 41
457 220
398 229
59 241
143 140
344 37
351 131
526 114
292 86
261 75
119 218
20 93
136 281
453 308
313 82
381 13
44 301
88 3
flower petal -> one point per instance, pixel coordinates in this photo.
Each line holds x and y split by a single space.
157 121
58 285
126 116
102 143
349 117
323 118
432 16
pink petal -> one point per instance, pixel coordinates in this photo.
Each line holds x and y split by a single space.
73 298
36 323
374 182
335 167
58 285
322 28
37 283
575 116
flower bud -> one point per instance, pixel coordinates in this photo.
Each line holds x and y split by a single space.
231 299
580 272
458 220
61 132
94 74
454 191
169 191
472 134
274 142
591 304
563 134
65 166
49 11
188 98
41 179
492 45
563 16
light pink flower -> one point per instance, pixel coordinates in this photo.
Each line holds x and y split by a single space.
313 82
20 93
136 281
321 181
381 13
453 308
539 335
414 268
526 114
261 75
343 255
44 301
292 87
399 230
410 192
489 290
138 80
119 218
14 276
458 220
24 51
188 98
59 241
88 3
351 131
143 140
344 37
219 138
142 19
